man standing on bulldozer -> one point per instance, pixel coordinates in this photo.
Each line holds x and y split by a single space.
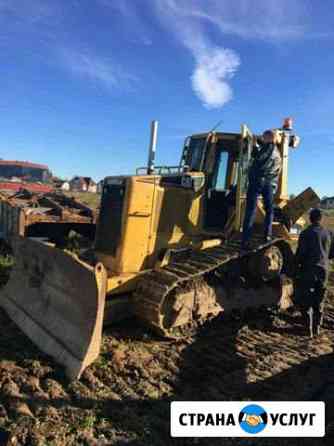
263 180
312 270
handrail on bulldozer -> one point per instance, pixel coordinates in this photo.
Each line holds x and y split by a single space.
159 170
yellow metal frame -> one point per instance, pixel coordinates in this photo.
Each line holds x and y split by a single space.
245 133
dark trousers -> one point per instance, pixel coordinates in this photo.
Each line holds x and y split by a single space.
311 296
256 188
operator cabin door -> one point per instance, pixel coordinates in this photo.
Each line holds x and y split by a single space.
221 183
244 158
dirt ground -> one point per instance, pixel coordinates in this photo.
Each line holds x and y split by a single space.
124 397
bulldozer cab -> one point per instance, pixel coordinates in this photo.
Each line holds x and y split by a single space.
224 160
178 207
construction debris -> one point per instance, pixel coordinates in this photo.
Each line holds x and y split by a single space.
50 216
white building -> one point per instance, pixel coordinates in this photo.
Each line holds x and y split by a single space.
82 184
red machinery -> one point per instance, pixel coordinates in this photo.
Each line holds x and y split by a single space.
17 175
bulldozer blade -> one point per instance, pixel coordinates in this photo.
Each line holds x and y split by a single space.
297 207
58 302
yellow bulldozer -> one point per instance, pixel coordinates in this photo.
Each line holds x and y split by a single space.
167 250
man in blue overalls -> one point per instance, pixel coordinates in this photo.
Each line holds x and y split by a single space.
263 180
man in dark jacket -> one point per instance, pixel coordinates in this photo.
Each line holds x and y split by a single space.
312 269
263 180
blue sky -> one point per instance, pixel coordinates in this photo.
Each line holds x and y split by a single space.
82 79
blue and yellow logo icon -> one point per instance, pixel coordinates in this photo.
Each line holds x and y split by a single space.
253 419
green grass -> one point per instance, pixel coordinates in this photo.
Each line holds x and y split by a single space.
6 261
88 198
88 422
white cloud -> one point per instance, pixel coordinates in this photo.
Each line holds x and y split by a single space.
265 19
213 69
89 66
215 65
95 68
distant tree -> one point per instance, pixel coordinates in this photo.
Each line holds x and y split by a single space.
292 196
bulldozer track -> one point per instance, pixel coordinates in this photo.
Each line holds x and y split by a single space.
155 286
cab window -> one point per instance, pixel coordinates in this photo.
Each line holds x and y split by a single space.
194 153
219 182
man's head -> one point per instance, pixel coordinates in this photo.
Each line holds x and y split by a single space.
315 216
268 136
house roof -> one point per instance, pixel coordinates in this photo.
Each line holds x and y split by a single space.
23 164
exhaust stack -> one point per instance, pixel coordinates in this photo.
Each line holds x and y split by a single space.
152 148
